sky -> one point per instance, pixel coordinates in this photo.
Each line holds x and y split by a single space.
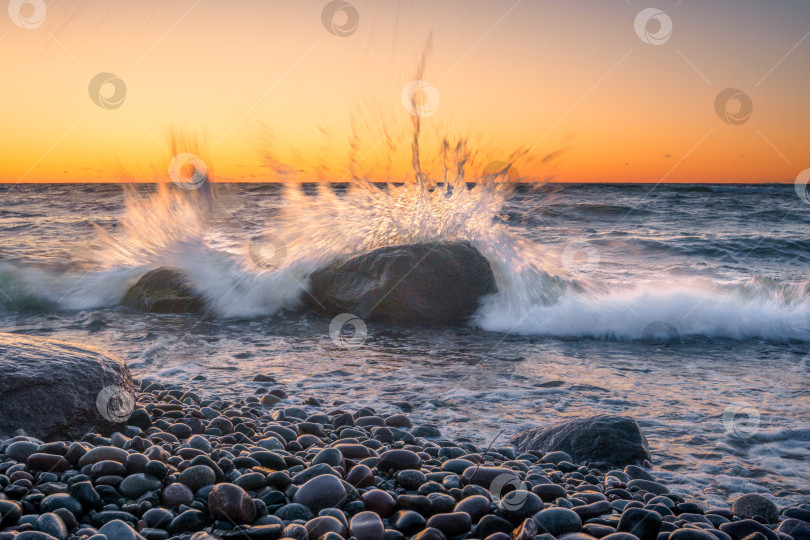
263 90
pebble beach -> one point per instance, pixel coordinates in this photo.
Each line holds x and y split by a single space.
273 465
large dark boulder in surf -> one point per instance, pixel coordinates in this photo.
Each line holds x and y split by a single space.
610 439
54 390
165 290
414 284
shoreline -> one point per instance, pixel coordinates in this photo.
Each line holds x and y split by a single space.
258 467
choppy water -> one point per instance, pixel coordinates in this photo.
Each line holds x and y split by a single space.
683 306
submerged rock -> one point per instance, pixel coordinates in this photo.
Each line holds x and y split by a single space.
415 284
165 290
616 440
58 390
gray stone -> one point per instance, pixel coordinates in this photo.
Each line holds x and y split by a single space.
136 485
119 530
415 284
325 491
609 439
50 389
165 290
752 505
557 521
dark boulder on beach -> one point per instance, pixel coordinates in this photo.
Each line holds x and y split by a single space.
57 390
165 290
615 440
415 284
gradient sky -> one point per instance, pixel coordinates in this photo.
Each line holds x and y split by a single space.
258 86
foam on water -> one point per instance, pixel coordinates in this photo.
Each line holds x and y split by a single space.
537 294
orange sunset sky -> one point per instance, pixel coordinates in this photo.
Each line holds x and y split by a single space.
262 88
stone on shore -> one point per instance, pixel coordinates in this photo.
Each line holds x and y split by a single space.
753 504
57 390
615 440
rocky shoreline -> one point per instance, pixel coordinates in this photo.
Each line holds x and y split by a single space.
272 466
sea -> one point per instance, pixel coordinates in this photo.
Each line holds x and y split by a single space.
683 306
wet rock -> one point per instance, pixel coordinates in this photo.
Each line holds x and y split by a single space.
748 506
738 530
412 284
798 529
231 502
648 486
322 525
165 290
324 491
430 534
452 524
557 521
477 506
47 462
549 492
378 501
397 460
519 504
367 526
119 530
190 520
294 511
691 534
50 389
196 477
52 524
525 531
609 439
487 477
136 485
360 476
408 522
644 524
